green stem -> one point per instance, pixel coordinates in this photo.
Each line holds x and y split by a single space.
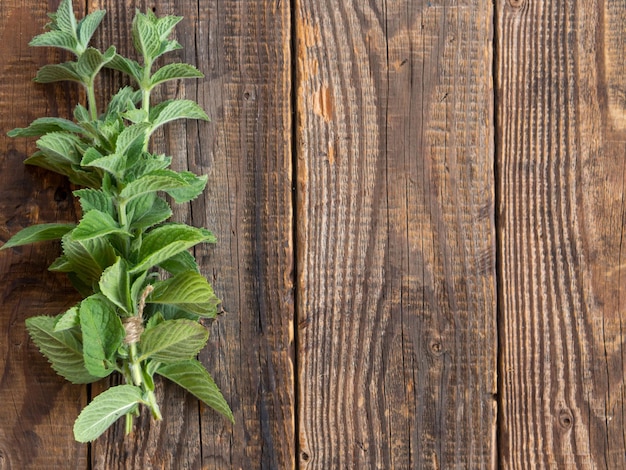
135 367
145 101
129 423
91 100
154 406
123 217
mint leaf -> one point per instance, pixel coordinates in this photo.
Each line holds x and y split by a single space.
67 320
193 377
115 164
38 233
103 334
61 146
64 18
58 73
115 285
173 341
181 262
61 39
88 25
159 212
128 66
95 199
171 110
91 61
88 258
145 36
62 348
162 243
195 186
46 125
95 224
160 180
104 410
174 72
189 291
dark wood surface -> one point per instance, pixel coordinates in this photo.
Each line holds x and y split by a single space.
561 174
396 265
420 211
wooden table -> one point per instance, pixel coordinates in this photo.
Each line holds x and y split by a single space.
420 207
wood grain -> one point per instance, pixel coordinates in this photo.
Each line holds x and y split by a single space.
243 49
395 235
38 407
561 175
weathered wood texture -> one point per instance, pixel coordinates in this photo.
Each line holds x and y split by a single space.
243 49
436 246
561 173
395 235
37 407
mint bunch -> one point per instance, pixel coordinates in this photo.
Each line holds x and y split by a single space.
143 292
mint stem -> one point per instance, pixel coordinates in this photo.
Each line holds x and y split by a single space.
91 100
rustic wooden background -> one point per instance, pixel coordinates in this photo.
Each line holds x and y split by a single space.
420 206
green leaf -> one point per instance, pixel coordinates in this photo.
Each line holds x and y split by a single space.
92 60
88 25
61 39
81 114
160 180
121 101
103 334
159 212
170 312
95 224
135 116
38 233
61 265
165 25
193 377
181 262
58 73
46 125
173 341
61 146
174 72
145 37
67 320
114 163
188 291
195 186
164 242
88 258
115 285
131 142
95 199
147 163
127 66
64 18
171 110
62 348
104 410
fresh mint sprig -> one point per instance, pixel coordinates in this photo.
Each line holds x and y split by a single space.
143 292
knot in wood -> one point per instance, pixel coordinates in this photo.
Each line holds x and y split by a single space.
134 328
516 3
566 419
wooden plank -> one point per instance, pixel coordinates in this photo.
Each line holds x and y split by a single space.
38 407
396 238
561 171
243 49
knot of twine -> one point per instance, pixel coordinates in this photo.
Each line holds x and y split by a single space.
134 328
134 325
